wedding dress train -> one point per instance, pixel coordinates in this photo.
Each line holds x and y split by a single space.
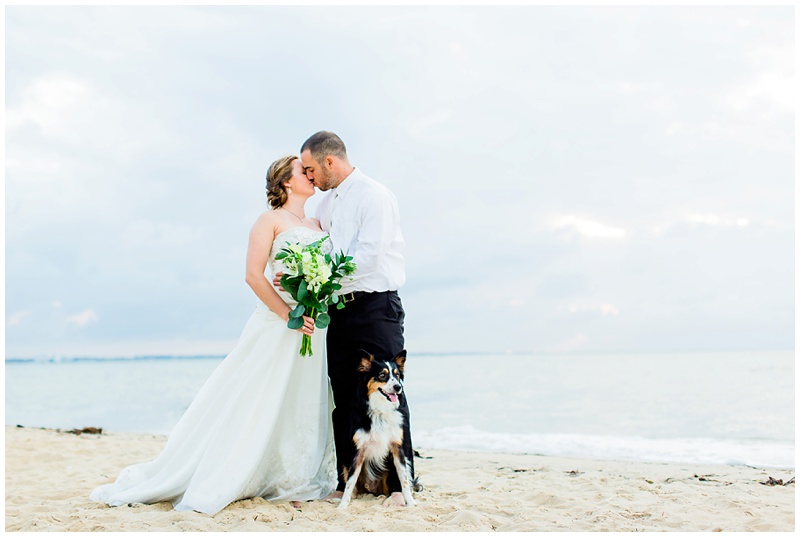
259 427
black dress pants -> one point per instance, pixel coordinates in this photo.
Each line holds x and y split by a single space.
372 322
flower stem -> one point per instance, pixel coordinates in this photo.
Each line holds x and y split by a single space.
305 346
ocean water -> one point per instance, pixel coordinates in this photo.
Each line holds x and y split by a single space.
716 408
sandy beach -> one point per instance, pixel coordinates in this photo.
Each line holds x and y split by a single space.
49 475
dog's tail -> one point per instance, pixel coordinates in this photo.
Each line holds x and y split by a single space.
416 485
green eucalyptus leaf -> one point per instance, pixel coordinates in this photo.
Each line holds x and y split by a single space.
310 302
298 311
290 286
295 323
323 320
290 280
302 290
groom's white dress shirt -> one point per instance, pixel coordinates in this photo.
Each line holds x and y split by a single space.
362 219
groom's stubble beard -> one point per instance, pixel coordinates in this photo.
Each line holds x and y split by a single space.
326 180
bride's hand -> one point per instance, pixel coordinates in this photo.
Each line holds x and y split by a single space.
308 326
276 281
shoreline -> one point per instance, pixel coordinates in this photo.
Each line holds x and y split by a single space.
49 474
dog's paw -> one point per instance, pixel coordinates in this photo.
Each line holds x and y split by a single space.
395 499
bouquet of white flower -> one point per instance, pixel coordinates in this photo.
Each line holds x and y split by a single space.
312 278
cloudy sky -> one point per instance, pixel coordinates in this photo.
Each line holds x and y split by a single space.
585 179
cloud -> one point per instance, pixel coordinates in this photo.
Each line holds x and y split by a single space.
16 318
674 128
773 85
710 219
603 309
773 88
48 102
588 228
83 318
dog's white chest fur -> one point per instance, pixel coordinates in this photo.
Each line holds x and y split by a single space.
386 430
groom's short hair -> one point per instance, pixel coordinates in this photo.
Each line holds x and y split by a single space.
324 143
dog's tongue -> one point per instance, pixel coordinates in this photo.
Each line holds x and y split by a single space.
392 397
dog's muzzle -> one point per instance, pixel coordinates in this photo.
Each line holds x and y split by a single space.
394 396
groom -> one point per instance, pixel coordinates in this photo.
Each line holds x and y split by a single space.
362 219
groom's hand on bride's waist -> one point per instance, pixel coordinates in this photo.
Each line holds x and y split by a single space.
276 281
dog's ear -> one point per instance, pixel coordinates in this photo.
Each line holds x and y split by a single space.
366 361
400 360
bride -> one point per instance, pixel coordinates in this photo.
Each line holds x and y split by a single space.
261 424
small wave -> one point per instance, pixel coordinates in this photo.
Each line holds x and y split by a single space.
759 453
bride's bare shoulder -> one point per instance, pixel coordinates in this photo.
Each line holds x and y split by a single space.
267 222
271 216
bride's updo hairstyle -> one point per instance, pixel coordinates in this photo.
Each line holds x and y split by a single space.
278 173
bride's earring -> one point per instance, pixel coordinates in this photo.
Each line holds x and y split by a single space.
288 190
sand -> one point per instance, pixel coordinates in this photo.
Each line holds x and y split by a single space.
49 475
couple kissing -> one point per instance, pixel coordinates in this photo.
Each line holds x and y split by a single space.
273 424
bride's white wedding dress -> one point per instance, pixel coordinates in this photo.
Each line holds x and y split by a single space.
259 426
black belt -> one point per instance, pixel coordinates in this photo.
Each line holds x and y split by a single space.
354 295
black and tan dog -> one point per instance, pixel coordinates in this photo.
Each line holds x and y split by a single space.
381 432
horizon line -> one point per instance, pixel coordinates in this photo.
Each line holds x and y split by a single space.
165 356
